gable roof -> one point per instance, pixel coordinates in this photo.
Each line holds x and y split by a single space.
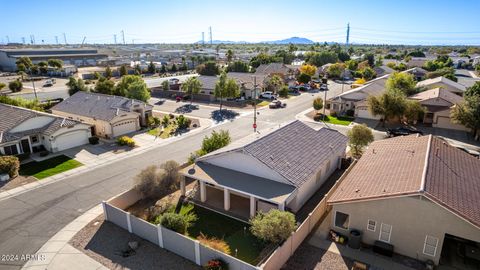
268 69
12 116
441 79
295 151
416 165
247 79
98 106
438 93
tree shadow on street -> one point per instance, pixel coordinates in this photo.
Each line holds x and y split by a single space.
187 108
221 115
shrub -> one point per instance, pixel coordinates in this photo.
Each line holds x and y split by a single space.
15 86
274 226
93 140
359 137
183 122
152 182
216 141
177 222
217 244
283 92
216 264
10 165
125 140
165 121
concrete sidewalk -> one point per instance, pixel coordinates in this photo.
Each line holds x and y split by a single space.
57 253
90 160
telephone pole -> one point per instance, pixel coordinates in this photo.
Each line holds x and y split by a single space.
348 34
23 40
56 39
255 104
65 38
123 37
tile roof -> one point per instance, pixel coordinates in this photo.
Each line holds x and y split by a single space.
429 82
438 93
267 69
295 151
98 106
12 116
416 165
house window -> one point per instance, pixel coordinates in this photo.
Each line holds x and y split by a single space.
371 225
34 139
341 220
430 246
10 150
385 233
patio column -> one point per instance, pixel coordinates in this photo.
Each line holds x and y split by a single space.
203 192
281 206
182 186
226 199
253 209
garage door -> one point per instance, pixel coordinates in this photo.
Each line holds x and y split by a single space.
124 127
72 139
366 114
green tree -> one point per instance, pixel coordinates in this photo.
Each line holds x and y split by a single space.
209 68
2 85
123 70
43 67
351 65
25 62
173 68
75 85
343 56
467 113
336 70
226 88
359 137
163 69
108 72
165 85
15 86
283 92
274 226
390 105
138 90
216 141
238 66
473 90
274 83
229 55
151 68
303 78
105 86
55 63
192 87
413 111
370 58
122 88
367 73
318 104
403 82
321 58
310 70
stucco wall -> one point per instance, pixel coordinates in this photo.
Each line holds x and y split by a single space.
412 219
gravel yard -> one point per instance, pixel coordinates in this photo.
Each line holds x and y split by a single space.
105 242
16 182
310 257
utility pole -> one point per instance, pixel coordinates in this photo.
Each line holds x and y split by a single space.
115 39
203 39
255 104
8 39
325 81
56 39
211 40
123 37
33 39
65 38
23 40
348 34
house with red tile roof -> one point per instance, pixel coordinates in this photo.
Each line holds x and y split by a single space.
416 193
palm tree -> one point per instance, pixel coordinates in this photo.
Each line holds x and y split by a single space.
192 86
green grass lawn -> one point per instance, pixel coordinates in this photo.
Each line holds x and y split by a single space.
213 224
48 167
340 120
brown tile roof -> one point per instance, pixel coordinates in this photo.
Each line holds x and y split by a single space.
424 165
438 93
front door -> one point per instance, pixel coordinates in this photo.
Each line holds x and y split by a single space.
25 146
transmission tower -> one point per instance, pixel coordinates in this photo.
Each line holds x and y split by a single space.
123 37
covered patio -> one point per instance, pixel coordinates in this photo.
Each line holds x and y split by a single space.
235 192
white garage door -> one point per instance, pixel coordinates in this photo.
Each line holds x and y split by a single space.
366 114
124 127
72 139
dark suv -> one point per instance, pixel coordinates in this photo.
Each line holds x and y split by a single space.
402 131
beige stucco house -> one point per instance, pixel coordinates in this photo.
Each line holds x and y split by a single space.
27 131
280 169
416 193
438 103
110 116
442 82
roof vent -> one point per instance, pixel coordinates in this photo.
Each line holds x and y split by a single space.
373 151
357 190
436 151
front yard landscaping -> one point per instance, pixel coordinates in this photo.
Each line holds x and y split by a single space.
336 120
243 245
171 124
48 167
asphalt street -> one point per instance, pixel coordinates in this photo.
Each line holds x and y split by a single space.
28 220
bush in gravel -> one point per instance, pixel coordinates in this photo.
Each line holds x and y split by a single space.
183 122
15 86
274 226
125 140
216 264
10 165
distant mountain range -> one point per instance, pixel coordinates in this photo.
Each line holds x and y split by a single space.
293 40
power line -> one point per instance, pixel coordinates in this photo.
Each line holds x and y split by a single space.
418 32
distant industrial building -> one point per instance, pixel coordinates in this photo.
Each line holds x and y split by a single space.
76 57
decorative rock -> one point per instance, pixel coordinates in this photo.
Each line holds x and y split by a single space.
4 177
133 245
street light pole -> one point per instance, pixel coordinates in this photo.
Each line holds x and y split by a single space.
33 84
325 81
254 104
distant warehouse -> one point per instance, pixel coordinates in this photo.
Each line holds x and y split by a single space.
76 57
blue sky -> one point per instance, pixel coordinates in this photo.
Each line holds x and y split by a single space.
395 22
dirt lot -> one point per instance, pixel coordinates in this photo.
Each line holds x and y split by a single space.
16 182
310 257
105 242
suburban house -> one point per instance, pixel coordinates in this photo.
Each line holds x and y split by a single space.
280 169
109 116
443 82
244 80
415 194
438 103
27 131
417 62
287 72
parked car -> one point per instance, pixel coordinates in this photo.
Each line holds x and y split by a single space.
277 104
402 131
268 95
323 87
49 83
